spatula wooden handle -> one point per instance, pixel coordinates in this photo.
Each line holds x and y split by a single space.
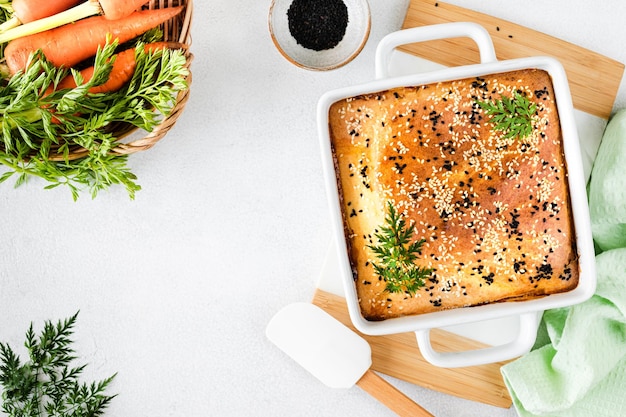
389 395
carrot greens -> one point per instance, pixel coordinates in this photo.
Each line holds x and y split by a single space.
513 116
397 252
38 122
47 383
6 10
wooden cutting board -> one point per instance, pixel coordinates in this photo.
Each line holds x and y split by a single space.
594 81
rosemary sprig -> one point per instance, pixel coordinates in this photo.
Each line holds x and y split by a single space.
46 385
34 122
397 255
513 116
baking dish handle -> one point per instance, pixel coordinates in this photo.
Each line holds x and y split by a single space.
521 345
470 30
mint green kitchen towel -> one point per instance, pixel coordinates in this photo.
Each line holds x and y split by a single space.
607 187
578 365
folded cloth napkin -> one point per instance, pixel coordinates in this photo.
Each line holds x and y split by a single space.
578 365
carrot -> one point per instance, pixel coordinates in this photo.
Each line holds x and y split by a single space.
25 11
122 71
31 10
70 44
116 9
111 9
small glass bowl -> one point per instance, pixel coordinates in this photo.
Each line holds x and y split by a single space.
357 33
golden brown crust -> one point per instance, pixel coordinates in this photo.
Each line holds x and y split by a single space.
494 212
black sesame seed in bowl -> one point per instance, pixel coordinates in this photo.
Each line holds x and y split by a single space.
319 34
318 25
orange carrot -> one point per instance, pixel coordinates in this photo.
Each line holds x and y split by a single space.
122 71
117 9
111 9
70 44
31 10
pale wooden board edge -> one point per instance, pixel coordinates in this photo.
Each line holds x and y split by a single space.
398 356
594 78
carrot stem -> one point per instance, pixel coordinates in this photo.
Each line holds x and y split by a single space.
86 9
10 24
29 115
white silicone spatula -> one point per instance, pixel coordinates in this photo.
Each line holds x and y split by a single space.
334 354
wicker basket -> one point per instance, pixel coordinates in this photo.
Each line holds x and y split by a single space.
177 29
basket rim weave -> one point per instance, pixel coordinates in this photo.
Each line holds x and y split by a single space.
177 29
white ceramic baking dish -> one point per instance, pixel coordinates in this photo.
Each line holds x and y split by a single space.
529 312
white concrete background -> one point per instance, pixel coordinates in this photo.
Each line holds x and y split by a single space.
175 288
